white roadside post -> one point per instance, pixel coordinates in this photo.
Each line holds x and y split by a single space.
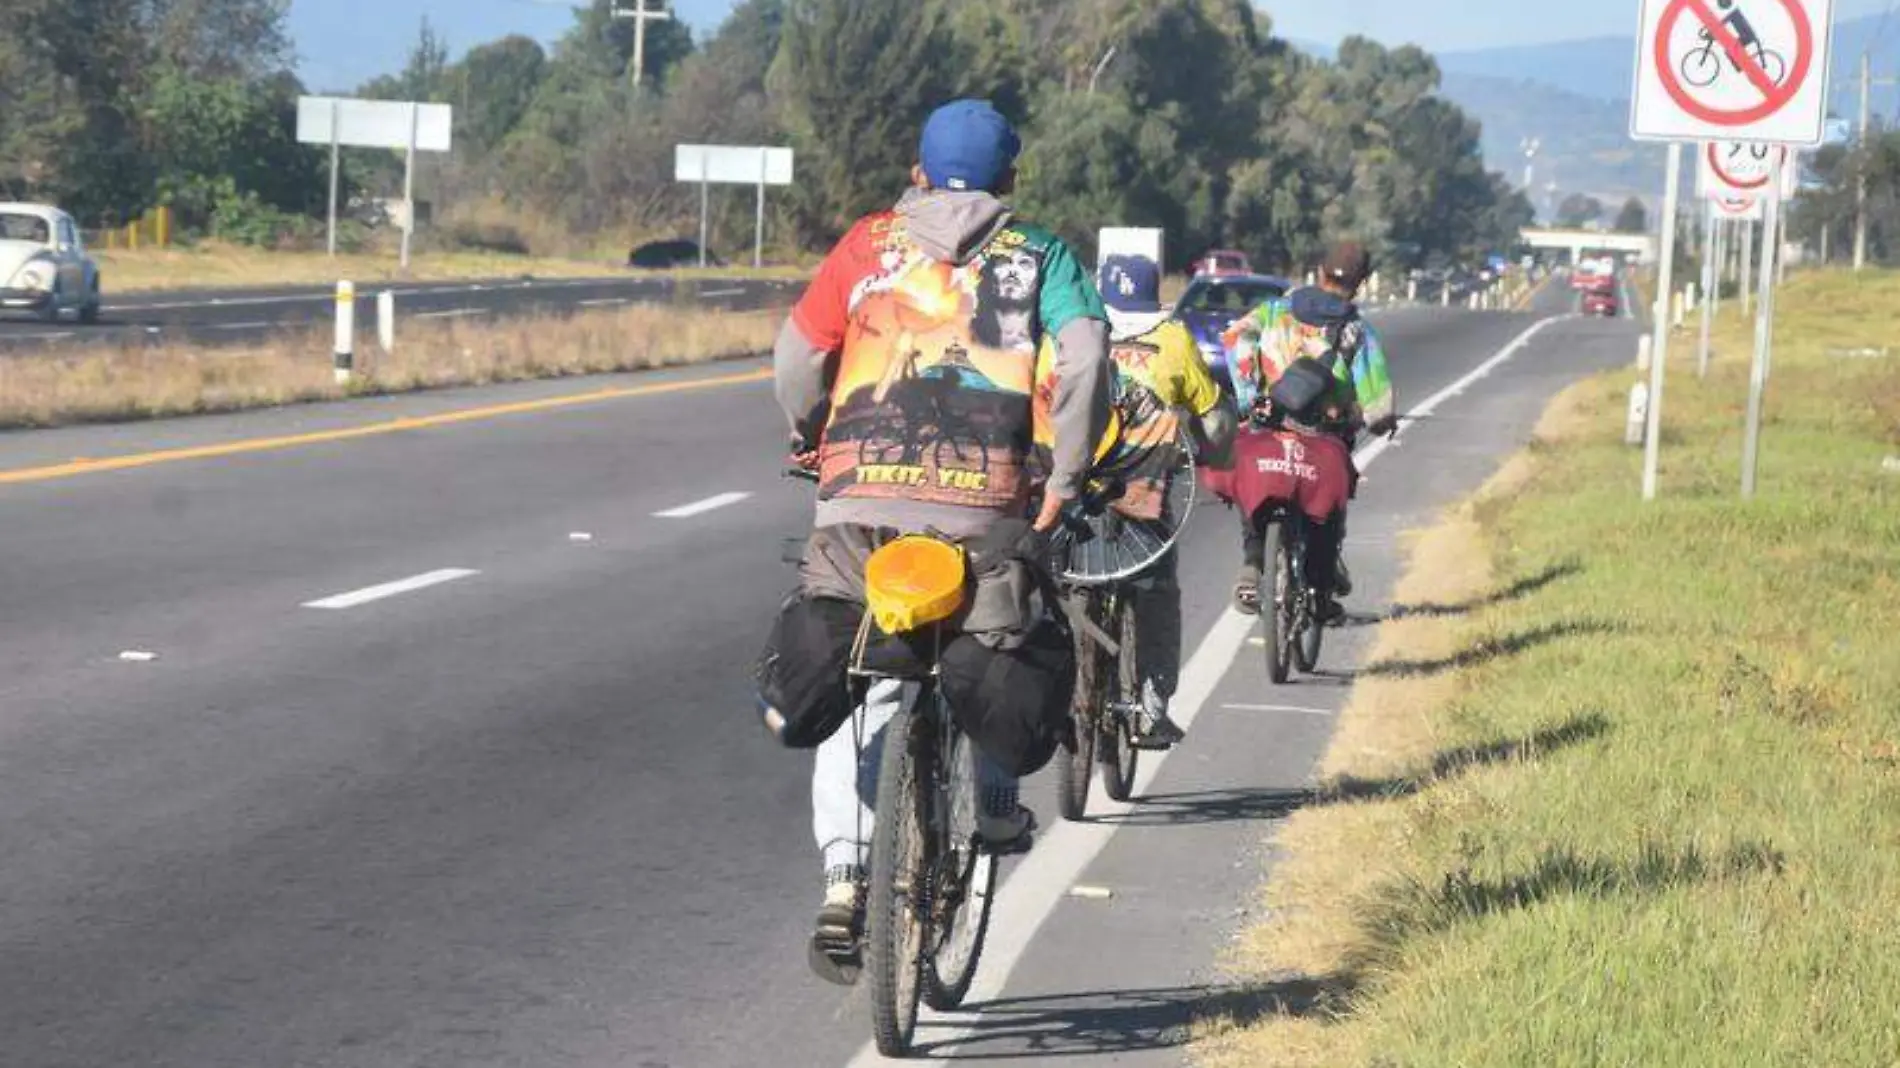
1643 354
1411 291
344 361
386 321
1659 357
1636 426
1764 352
1710 285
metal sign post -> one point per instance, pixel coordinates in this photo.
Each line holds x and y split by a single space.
1764 353
705 205
1660 323
336 160
409 183
403 125
1710 283
758 221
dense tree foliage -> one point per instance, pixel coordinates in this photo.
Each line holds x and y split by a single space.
1185 114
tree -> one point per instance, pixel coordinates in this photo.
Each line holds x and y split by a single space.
1578 209
494 86
1632 218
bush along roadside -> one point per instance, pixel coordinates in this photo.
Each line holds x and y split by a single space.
146 382
1622 785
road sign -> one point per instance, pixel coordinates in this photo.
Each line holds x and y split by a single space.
1750 70
709 165
732 165
1745 208
324 120
1739 170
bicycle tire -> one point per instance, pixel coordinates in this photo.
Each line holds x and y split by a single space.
1076 764
1309 630
958 936
1276 601
893 923
1119 754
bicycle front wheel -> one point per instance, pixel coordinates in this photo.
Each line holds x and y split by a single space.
966 883
897 899
1076 765
1118 731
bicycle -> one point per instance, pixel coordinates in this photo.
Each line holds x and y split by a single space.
932 880
1294 629
1102 550
1701 67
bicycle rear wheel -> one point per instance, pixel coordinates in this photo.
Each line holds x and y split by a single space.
1076 766
965 886
1309 627
1276 613
1118 731
897 899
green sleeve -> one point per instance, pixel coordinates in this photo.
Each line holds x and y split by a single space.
1371 379
1068 293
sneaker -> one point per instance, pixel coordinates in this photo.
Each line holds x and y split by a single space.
1247 591
1010 832
835 955
1158 731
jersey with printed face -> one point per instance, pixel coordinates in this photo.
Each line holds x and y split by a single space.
931 396
1159 376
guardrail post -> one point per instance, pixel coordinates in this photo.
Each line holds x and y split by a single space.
1638 422
386 321
1644 346
345 331
1411 291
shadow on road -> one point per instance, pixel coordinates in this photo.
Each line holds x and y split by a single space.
1210 806
1110 1022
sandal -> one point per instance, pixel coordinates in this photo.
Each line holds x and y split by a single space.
1247 591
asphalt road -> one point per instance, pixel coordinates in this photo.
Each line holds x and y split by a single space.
223 317
436 746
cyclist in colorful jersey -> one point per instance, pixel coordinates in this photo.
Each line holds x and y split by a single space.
906 370
1321 322
1157 360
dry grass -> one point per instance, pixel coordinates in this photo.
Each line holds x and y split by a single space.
213 265
144 382
1644 806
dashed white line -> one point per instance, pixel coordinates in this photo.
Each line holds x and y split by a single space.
391 589
452 313
1065 851
241 326
687 511
1295 709
603 302
723 293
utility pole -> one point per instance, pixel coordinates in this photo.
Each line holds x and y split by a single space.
1867 83
640 14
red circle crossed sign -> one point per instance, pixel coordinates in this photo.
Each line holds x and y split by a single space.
1774 97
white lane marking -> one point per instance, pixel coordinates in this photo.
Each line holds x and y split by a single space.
241 326
723 293
1279 708
36 337
391 589
452 313
1030 895
687 511
138 656
603 302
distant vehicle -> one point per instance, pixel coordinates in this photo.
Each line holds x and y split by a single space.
1601 301
1212 303
669 255
1221 262
44 268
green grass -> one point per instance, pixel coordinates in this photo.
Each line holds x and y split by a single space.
1657 819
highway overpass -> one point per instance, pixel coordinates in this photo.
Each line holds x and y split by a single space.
1580 243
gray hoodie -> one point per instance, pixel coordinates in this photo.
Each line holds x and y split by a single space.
953 227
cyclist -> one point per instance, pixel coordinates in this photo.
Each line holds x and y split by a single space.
1155 352
906 370
1321 322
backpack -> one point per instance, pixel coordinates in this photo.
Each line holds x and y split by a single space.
1308 381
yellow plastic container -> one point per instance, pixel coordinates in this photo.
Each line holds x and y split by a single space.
913 582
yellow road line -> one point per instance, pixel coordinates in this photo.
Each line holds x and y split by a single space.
293 441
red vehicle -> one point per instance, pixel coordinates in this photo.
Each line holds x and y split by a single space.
1222 261
1600 298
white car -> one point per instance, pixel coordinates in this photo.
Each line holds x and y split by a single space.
44 268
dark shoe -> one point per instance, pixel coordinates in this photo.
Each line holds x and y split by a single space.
1342 579
1331 612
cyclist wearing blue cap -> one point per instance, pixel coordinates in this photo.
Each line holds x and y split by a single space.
1154 352
906 371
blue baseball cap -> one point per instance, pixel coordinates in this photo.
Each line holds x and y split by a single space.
1131 284
968 146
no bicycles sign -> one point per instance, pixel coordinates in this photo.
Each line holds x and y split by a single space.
1732 70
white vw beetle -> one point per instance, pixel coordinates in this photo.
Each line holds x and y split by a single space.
44 268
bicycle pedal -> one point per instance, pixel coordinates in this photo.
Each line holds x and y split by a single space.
836 962
1148 744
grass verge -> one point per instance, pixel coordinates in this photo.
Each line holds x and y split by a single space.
144 382
214 265
1622 784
